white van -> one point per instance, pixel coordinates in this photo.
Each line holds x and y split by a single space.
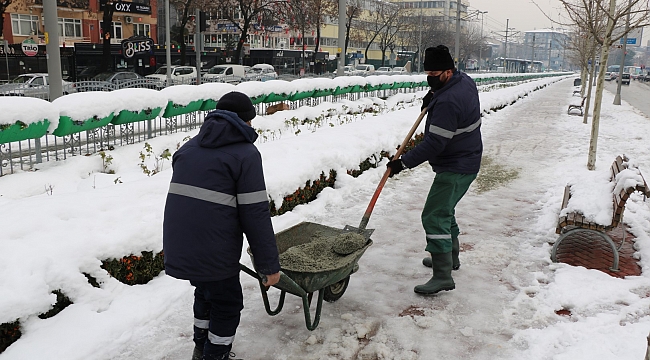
179 75
364 69
225 73
261 72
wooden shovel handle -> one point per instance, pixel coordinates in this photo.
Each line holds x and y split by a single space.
382 182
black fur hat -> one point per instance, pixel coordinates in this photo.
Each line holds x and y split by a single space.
438 58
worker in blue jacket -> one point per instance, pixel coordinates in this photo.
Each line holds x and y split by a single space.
453 147
217 194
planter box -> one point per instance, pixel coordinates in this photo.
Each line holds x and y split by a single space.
176 109
369 88
323 92
273 97
126 116
19 132
68 126
209 105
301 95
340 91
356 89
258 99
386 86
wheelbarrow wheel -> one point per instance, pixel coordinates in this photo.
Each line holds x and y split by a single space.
335 291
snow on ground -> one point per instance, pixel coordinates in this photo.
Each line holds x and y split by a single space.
507 290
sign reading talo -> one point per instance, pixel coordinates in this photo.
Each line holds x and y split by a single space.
29 47
136 46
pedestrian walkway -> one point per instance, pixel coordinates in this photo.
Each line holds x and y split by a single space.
589 250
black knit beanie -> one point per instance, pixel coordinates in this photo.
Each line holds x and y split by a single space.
238 103
438 58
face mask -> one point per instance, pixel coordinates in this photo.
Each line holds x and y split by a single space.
435 82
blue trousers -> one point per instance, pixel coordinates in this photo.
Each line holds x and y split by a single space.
217 311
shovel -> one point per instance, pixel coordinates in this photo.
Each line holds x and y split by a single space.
366 216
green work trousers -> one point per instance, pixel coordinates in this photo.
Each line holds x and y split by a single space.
438 215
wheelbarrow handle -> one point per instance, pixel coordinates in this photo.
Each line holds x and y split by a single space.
382 182
285 283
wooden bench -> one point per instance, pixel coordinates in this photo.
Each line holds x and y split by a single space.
575 222
576 107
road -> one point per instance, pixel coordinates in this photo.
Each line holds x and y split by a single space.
636 94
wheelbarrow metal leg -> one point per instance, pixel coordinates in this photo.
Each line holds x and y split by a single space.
305 305
267 304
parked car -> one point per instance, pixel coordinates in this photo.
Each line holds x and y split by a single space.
261 72
625 79
364 69
399 70
33 85
87 73
225 73
608 76
348 70
179 75
108 81
384 70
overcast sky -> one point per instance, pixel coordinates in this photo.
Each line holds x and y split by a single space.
523 15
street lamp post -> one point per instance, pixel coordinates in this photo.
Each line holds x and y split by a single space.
480 48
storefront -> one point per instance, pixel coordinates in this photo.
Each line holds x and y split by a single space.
21 63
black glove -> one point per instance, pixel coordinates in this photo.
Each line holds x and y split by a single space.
395 166
426 100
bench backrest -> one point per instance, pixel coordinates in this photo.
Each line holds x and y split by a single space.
627 188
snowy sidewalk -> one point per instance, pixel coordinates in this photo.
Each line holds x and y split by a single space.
507 290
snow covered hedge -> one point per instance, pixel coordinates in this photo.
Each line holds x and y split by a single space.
181 99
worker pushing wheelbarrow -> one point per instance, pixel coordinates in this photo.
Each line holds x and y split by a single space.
325 269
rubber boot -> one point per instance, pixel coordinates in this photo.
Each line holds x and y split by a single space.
455 251
441 280
197 354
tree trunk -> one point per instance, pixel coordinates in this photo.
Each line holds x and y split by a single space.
591 83
593 143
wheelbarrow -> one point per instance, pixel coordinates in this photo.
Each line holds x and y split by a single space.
330 284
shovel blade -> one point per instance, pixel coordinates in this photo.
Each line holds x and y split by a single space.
365 232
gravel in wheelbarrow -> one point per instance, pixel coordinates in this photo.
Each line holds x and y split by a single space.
323 260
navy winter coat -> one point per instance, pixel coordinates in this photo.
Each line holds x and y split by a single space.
452 140
217 194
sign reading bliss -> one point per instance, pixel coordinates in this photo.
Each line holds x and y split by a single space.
132 47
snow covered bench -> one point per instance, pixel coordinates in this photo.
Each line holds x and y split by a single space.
624 180
578 107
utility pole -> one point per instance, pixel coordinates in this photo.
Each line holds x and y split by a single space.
532 54
54 78
457 50
480 58
341 60
617 97
197 43
168 44
420 42
505 47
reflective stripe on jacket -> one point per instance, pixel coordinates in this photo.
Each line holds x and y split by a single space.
452 139
217 194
